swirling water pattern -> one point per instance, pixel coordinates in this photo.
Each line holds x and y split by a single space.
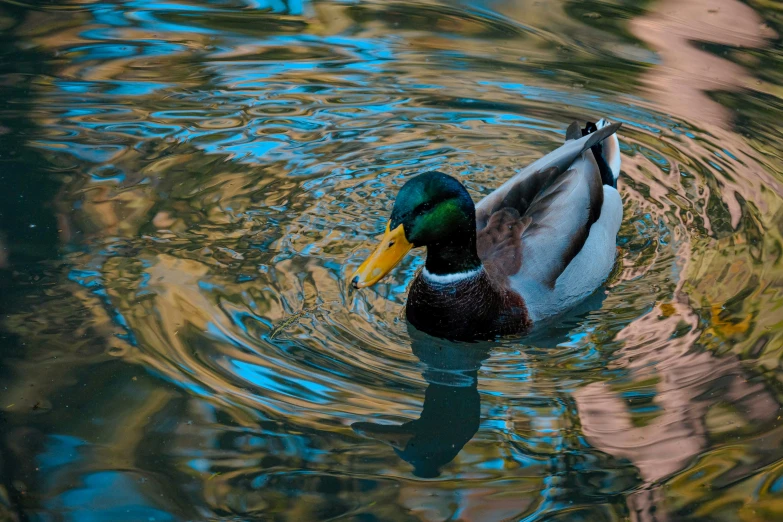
179 340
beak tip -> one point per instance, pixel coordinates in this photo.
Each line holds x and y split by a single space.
355 282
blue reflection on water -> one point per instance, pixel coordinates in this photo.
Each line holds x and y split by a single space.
110 495
271 380
60 451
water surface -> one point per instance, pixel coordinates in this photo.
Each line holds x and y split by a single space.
187 185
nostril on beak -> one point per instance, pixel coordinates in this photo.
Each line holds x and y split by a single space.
355 282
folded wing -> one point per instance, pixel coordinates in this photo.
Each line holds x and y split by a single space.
531 227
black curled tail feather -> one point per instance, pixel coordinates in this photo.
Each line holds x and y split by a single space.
598 151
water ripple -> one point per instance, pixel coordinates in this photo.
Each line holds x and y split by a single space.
222 168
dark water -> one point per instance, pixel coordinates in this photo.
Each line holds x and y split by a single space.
185 186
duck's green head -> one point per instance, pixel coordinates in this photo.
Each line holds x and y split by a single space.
432 210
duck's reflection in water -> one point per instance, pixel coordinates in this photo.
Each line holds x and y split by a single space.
670 398
452 408
451 413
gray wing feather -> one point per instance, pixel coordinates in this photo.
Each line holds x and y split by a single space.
560 220
532 179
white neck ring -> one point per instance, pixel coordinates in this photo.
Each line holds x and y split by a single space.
446 279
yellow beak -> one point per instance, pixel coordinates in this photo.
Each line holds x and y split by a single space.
387 255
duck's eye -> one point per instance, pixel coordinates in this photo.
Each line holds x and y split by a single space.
391 243
423 207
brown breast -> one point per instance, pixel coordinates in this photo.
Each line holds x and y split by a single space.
470 309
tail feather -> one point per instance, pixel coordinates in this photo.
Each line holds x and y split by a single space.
611 151
606 152
573 132
559 159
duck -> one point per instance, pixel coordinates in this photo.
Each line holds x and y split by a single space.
532 249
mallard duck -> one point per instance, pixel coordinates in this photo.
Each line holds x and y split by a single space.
530 250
